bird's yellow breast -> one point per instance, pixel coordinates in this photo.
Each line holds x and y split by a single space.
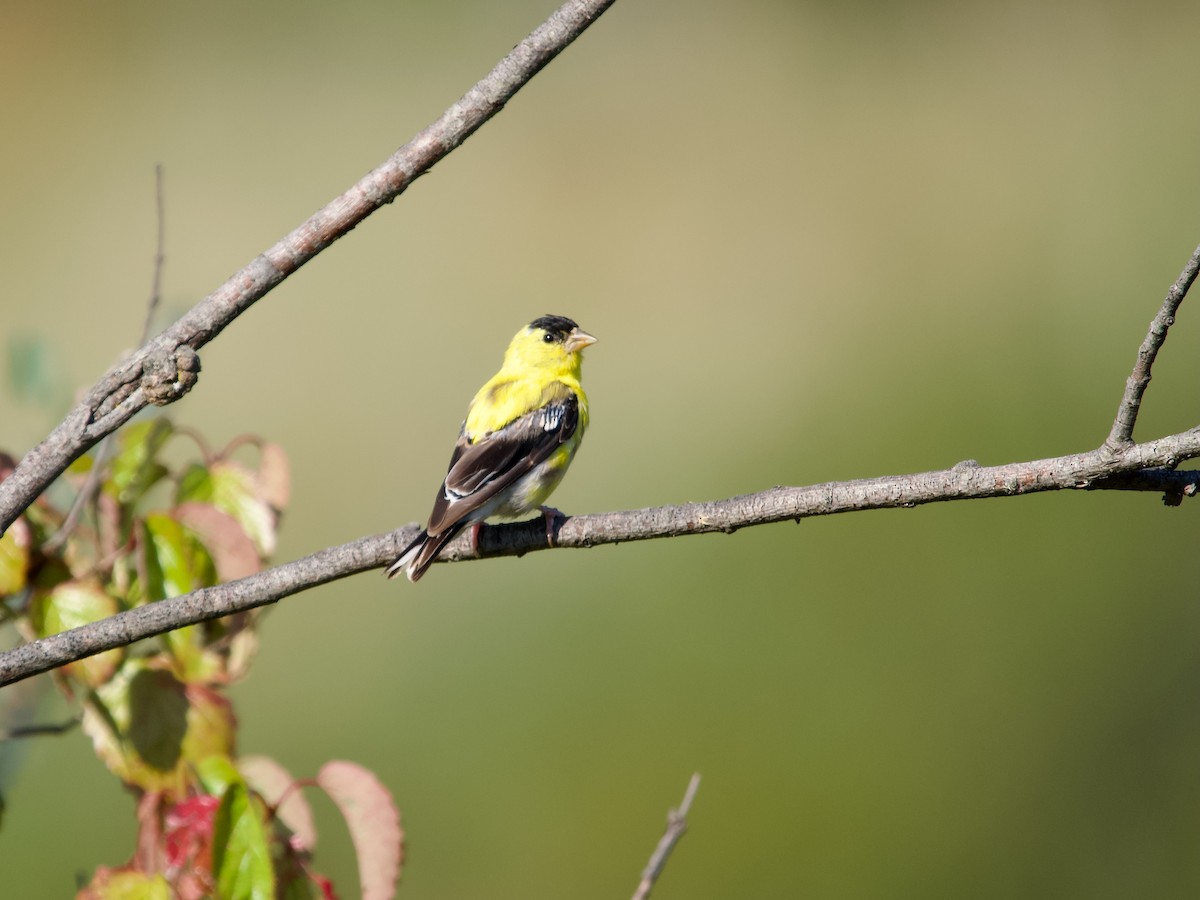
503 400
534 375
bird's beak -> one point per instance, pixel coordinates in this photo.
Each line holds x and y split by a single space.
577 340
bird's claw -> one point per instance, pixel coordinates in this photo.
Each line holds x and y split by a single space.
550 514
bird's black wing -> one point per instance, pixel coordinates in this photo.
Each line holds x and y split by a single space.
481 470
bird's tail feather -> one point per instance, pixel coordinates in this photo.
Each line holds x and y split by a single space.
420 554
406 555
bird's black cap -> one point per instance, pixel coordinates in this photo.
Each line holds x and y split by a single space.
559 326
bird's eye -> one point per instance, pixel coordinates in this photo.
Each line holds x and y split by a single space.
548 338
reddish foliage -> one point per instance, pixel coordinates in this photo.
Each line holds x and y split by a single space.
189 832
326 886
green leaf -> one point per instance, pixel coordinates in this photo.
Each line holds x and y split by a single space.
14 557
298 887
134 469
233 489
274 783
217 774
69 605
120 884
158 711
241 856
177 562
151 729
195 484
293 833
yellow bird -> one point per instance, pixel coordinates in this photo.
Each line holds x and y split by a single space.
520 435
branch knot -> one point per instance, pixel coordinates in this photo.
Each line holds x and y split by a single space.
169 374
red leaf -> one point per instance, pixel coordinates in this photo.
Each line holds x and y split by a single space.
189 832
232 550
326 886
374 824
274 475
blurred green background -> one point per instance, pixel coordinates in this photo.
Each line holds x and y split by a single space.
817 241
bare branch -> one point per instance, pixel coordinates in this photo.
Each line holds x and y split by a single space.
160 254
84 497
1135 386
146 621
676 828
28 731
1173 484
166 368
1138 467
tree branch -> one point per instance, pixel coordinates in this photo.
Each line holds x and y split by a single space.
1135 386
1142 467
166 368
160 254
92 482
28 731
676 828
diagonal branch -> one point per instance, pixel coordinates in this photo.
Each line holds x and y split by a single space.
1143 467
1139 378
676 828
166 368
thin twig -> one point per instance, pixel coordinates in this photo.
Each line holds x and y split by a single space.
1135 386
159 254
26 731
104 451
166 368
1096 470
676 828
82 498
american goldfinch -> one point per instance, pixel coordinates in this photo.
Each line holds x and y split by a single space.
521 432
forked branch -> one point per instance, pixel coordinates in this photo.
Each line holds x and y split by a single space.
166 367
